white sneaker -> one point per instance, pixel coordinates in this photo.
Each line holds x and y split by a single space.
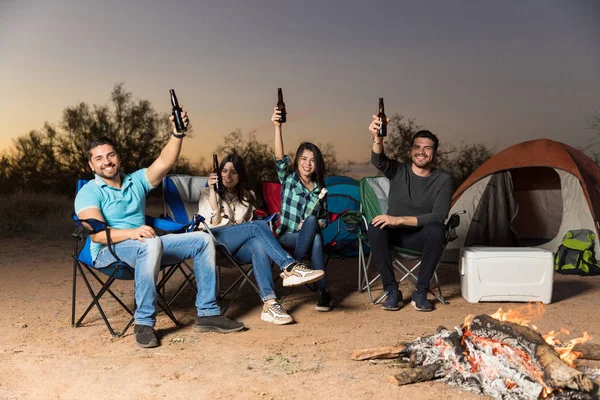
273 312
299 274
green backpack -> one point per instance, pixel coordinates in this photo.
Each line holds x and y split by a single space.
575 256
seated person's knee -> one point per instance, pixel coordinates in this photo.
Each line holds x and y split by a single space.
311 220
375 232
436 229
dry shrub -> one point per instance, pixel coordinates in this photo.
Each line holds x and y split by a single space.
36 215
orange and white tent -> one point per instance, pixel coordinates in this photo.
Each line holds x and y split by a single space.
529 195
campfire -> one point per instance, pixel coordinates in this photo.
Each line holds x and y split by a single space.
500 355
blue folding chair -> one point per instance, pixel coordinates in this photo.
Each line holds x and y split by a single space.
118 270
181 194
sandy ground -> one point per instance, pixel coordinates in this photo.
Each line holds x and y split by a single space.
42 356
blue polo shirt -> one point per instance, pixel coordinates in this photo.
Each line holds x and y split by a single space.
121 208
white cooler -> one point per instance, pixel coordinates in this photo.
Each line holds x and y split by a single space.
506 274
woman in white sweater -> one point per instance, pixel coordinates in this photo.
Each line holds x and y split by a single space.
229 215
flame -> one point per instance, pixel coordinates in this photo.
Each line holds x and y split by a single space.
565 351
522 315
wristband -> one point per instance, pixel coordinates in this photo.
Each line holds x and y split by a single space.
377 142
178 135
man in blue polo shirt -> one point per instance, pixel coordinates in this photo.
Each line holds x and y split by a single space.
119 199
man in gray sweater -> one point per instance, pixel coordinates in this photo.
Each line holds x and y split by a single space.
418 204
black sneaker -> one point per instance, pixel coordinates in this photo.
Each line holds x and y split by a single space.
217 323
145 336
323 301
420 302
393 300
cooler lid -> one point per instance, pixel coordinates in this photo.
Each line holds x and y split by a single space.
505 252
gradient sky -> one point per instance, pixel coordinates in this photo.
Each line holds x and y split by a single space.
496 72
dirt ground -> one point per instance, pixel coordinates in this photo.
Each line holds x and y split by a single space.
42 356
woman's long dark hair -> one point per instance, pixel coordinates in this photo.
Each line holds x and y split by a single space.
241 191
319 174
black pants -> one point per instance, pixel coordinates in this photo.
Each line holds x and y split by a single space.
428 240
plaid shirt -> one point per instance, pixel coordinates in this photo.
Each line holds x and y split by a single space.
296 199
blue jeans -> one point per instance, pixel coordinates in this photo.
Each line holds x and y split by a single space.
253 242
147 257
308 241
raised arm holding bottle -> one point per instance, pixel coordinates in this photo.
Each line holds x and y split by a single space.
418 204
299 194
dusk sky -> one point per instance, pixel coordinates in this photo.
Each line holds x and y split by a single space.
496 72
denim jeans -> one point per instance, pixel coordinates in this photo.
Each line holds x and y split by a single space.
308 242
253 242
147 257
428 240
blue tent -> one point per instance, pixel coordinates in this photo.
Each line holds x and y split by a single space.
337 179
342 195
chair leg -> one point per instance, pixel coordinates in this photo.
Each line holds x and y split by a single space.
238 285
74 292
363 269
380 298
409 273
188 279
439 288
96 300
162 303
239 282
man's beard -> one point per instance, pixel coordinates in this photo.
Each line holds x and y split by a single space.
102 174
423 163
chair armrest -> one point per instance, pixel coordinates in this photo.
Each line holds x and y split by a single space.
171 226
259 214
86 227
451 225
355 220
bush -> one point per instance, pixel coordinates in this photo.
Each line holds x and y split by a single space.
35 216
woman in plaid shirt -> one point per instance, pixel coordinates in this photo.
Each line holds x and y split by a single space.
303 214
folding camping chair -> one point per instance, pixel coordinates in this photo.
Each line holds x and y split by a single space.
272 197
181 194
118 270
374 201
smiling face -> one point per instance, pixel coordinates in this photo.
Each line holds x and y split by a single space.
306 164
230 176
105 161
422 152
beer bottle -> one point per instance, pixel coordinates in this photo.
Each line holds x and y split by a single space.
219 185
179 125
382 118
281 106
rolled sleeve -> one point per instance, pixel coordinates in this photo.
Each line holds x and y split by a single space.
204 207
281 166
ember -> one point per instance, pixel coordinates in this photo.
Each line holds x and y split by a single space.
501 355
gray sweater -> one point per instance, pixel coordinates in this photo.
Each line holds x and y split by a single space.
427 198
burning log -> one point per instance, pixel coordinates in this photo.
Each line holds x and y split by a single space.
377 353
495 357
589 351
556 373
418 374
